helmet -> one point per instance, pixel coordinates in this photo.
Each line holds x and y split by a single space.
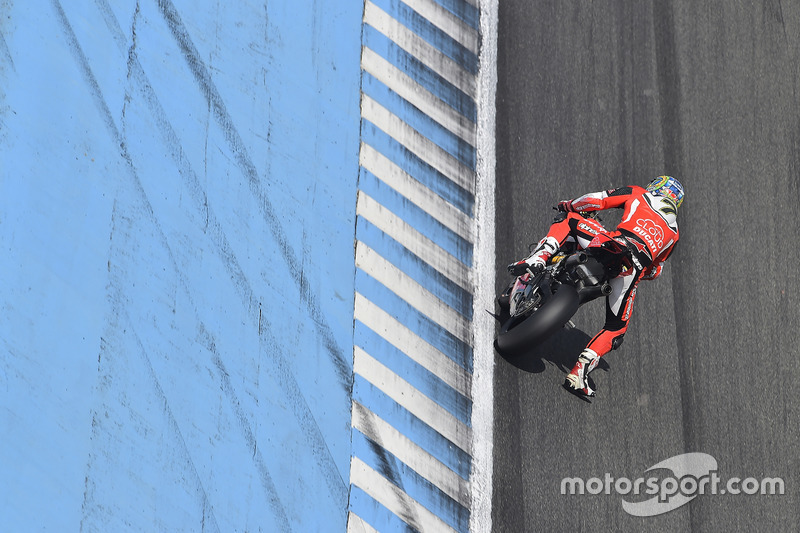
668 187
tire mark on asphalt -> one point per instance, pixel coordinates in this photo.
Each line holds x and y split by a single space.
669 86
774 10
284 376
248 168
669 92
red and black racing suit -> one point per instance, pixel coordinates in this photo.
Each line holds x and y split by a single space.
648 228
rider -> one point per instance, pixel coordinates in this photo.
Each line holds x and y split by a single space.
648 229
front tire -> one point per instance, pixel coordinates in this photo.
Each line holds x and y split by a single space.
517 333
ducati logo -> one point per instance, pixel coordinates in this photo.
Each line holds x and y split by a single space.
650 232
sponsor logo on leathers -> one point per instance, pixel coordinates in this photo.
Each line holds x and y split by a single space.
651 233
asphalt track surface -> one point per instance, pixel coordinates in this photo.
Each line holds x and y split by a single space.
593 95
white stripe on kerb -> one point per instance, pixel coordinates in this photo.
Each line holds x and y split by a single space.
423 463
414 241
412 292
446 213
418 96
447 22
411 344
412 399
356 524
420 48
393 498
417 143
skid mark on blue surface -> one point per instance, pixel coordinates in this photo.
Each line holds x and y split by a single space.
245 163
273 495
375 514
91 81
217 236
389 467
119 319
417 487
320 451
405 422
291 392
4 51
283 377
117 259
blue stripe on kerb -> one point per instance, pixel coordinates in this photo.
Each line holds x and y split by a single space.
449 293
427 329
418 376
423 75
430 33
444 138
466 12
421 272
412 427
401 475
375 514
398 204
417 168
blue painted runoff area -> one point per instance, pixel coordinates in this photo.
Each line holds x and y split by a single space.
177 211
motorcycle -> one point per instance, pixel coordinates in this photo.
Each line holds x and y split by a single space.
539 303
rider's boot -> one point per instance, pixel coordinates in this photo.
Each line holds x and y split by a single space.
537 260
577 380
543 252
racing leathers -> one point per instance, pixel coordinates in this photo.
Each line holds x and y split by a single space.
648 229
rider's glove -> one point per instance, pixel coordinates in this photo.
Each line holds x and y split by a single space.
518 269
566 206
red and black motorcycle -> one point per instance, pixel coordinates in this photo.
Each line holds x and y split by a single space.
538 303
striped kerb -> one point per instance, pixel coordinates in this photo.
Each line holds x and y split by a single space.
415 235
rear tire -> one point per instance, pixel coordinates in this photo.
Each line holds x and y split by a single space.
517 334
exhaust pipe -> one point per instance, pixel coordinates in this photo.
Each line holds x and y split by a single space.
595 291
575 260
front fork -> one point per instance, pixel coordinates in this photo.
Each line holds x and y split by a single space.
504 301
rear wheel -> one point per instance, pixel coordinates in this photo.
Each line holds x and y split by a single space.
518 333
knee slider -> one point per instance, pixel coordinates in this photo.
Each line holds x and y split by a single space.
617 341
